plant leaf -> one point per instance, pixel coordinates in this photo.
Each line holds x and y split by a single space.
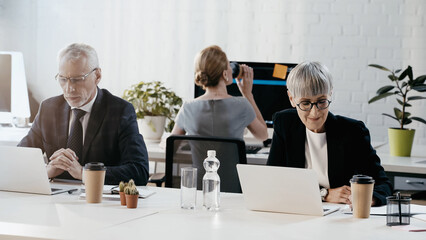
406 121
379 67
402 104
420 88
398 113
385 89
408 71
415 98
397 71
420 79
388 115
419 119
392 77
380 97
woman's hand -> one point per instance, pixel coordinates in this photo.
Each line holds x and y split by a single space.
339 195
245 85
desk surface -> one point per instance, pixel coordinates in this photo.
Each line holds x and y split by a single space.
65 216
414 164
11 136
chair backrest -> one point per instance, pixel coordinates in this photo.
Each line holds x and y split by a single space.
189 150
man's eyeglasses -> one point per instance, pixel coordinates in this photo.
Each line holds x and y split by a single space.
307 105
74 80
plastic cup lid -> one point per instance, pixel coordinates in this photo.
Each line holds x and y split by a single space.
361 179
95 166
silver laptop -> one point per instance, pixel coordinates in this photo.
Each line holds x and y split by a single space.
282 189
23 170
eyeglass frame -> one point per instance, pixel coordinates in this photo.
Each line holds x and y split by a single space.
74 80
312 105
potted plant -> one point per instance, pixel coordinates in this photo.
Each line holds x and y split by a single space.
401 138
153 104
132 194
121 187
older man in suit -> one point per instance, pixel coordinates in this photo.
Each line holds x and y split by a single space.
87 124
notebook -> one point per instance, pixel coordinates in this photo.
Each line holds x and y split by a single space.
282 189
111 192
23 170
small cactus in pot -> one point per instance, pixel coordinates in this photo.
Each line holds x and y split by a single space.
132 194
121 187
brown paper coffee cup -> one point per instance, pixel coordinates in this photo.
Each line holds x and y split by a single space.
362 194
93 178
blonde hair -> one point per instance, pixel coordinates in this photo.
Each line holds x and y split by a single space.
209 66
75 51
309 79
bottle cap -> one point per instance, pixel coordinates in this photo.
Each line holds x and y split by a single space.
211 153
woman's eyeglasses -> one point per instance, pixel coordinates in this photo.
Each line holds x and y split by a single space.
307 105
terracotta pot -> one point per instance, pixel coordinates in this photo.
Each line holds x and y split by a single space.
132 201
123 199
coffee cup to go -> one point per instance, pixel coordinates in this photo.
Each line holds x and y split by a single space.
93 179
362 195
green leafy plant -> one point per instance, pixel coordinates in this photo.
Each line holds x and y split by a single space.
153 99
402 86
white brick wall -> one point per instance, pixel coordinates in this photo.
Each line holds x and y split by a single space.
158 39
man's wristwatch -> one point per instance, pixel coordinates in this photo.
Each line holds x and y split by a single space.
323 193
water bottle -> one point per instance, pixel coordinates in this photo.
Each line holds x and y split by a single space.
211 182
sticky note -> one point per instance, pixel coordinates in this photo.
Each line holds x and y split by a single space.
280 71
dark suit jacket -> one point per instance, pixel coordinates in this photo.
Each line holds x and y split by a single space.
112 136
348 146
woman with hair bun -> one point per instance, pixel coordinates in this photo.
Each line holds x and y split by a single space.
216 113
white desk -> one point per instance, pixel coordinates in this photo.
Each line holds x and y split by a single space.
157 153
416 164
11 136
159 216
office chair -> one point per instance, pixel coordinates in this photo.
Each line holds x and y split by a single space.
189 150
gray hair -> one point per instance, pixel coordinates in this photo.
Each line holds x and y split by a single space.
309 79
75 51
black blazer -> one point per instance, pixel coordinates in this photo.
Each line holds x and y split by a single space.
348 146
112 136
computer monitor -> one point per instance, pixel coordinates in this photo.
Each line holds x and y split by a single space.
269 87
13 88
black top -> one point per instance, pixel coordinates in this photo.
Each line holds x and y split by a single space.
348 146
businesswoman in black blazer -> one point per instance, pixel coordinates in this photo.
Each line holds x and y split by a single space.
335 147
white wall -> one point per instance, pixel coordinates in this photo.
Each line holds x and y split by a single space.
158 39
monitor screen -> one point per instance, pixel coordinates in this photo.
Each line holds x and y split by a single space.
269 87
5 82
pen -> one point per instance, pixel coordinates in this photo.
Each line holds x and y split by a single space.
398 198
113 191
